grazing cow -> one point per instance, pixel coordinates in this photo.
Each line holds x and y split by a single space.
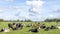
33 30
43 26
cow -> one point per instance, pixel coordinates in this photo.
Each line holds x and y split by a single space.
5 30
58 27
52 27
19 26
43 26
47 28
14 26
33 30
29 25
10 25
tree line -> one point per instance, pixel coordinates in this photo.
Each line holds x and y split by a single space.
52 20
2 20
46 20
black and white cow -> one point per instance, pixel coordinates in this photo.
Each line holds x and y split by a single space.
10 25
52 27
5 30
19 26
33 30
47 28
43 26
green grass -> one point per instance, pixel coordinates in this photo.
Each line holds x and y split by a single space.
25 29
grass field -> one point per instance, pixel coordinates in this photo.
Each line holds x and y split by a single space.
25 29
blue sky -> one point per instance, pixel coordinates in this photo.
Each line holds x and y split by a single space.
36 10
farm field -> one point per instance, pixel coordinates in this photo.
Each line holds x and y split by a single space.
25 29
29 16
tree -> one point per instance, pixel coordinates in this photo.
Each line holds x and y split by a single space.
18 20
52 20
1 20
28 20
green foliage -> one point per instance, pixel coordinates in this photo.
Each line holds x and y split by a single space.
52 20
1 20
28 21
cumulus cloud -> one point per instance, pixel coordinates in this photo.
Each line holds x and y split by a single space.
1 10
8 17
35 9
9 0
51 16
11 12
57 11
35 5
18 12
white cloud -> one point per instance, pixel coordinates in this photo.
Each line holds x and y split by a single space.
10 11
51 15
7 0
37 10
10 17
16 12
35 5
1 10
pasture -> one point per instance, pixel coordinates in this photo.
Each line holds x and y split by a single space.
25 29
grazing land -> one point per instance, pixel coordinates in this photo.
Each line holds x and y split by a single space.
25 29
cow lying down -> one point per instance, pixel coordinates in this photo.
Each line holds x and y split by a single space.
58 27
5 30
50 28
33 30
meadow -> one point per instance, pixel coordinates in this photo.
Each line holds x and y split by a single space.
25 29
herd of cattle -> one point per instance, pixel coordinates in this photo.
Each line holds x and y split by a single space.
35 27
